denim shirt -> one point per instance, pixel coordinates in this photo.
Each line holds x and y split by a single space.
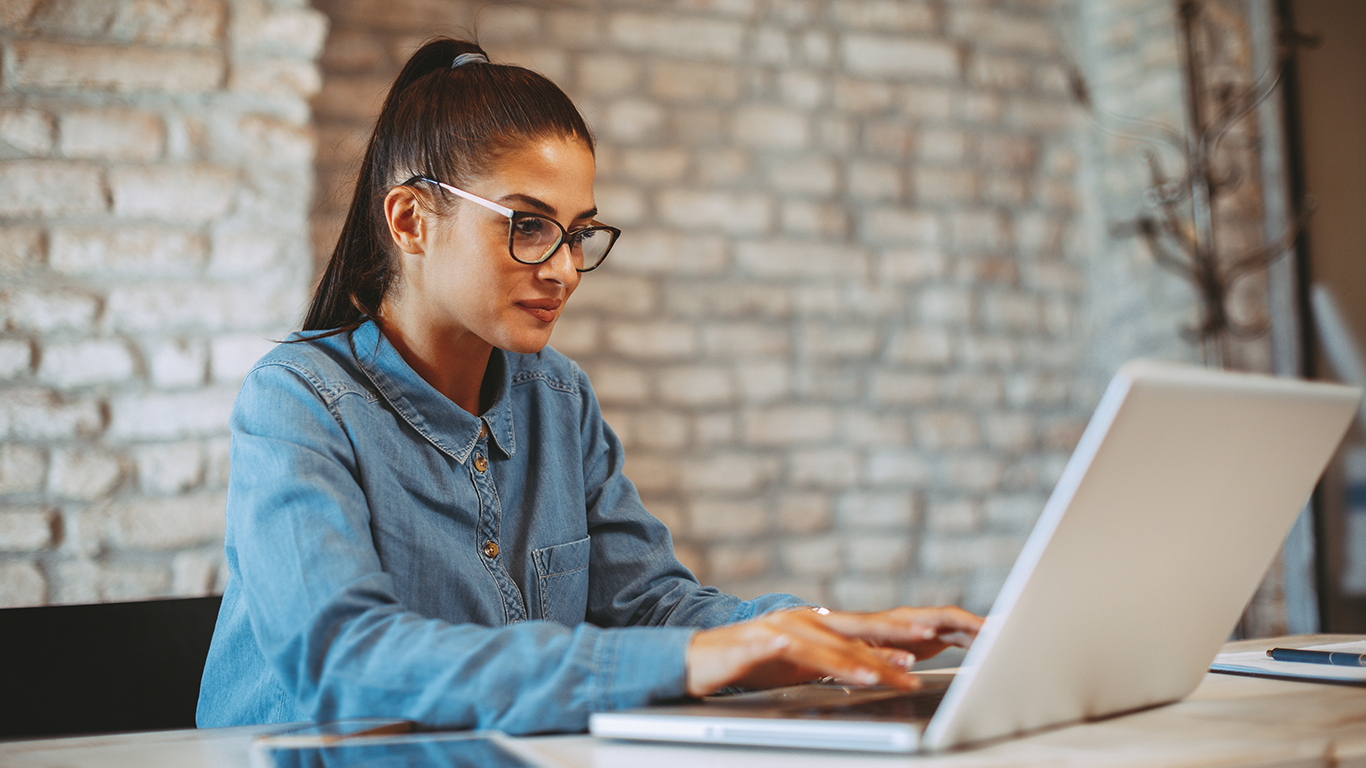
391 555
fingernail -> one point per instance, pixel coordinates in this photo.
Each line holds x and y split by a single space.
866 677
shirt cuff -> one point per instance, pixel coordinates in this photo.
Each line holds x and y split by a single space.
641 665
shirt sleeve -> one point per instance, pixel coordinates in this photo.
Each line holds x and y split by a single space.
326 618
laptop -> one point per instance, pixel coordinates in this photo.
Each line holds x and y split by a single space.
1174 503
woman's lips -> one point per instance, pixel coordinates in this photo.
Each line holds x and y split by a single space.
541 309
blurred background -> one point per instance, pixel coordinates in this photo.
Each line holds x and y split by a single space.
880 258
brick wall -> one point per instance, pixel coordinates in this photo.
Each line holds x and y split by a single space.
155 181
865 301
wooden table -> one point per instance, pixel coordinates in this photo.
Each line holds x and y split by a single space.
1228 721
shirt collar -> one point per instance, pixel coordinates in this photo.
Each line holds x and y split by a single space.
453 430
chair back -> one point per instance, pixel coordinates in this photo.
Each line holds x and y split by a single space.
102 668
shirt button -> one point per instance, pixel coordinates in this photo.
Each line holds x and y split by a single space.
481 463
490 549
483 430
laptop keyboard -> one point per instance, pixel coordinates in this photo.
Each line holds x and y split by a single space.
911 706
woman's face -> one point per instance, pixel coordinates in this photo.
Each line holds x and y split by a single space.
467 285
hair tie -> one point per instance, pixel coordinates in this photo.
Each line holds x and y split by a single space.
469 58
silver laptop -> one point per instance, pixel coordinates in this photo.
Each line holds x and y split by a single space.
1160 529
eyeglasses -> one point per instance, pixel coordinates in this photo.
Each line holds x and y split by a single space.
533 238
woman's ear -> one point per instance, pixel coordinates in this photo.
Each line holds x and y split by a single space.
407 220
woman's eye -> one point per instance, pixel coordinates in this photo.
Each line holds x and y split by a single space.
530 227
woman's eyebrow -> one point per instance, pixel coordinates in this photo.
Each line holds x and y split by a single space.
540 207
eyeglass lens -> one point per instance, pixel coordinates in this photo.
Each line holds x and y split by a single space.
534 238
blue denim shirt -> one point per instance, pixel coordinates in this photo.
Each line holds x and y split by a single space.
391 555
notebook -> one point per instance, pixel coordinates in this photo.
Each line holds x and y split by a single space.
1161 526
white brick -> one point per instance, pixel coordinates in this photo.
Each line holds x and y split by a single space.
620 384
744 340
885 15
849 343
877 554
911 265
676 81
695 385
27 130
788 425
869 511
719 520
724 472
196 572
231 357
614 294
39 415
814 220
26 529
898 57
832 468
177 362
944 429
45 65
902 226
44 311
945 306
131 251
114 134
211 306
953 516
661 430
806 176
83 475
653 340
176 193
22 468
82 363
734 213
161 523
159 416
633 120
804 512
657 251
21 248
772 127
864 426
905 389
667 35
921 346
896 466
297 32
738 561
608 74
16 357
166 469
21 584
797 259
50 188
874 181
818 556
861 593
88 581
714 429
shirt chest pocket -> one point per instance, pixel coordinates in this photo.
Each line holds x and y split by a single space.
562 580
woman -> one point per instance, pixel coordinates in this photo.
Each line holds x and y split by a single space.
427 517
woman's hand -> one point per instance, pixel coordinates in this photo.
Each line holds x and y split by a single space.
788 647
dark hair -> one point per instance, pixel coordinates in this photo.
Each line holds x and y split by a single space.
446 123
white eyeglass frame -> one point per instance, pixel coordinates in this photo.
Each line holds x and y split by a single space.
512 216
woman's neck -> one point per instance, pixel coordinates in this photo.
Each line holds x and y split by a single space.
455 367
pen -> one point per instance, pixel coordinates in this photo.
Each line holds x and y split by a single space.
1336 658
